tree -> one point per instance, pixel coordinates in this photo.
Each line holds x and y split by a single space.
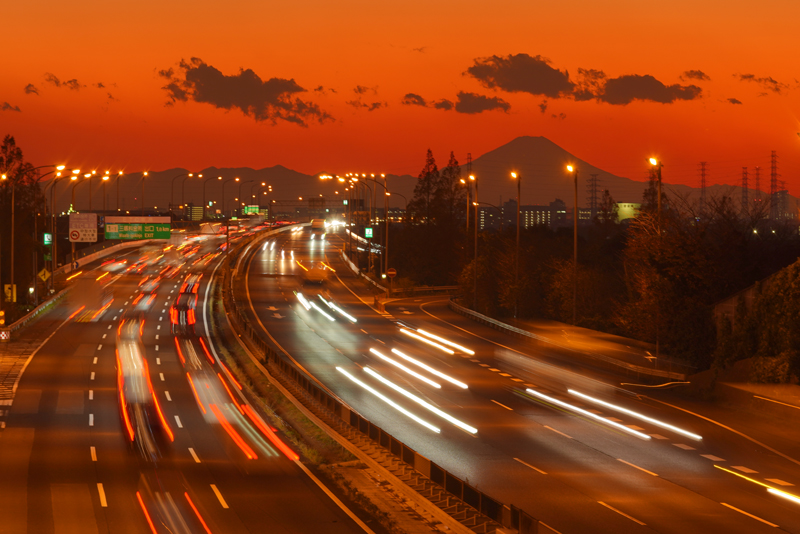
421 206
449 195
607 211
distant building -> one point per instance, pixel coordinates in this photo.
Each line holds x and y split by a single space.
627 210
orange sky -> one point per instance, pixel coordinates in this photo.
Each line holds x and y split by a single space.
396 48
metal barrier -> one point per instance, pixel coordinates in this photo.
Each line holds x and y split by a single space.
499 325
283 366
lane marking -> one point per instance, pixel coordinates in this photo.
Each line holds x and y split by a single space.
503 405
91 419
161 376
637 467
657 436
777 402
749 515
621 513
156 348
158 361
115 318
548 526
160 318
712 457
91 377
178 421
780 482
159 326
529 465
94 453
505 375
109 327
743 469
517 380
94 362
557 432
494 370
156 336
166 393
102 493
91 394
194 455
683 446
219 496
99 347
104 336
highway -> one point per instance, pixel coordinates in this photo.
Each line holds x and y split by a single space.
67 462
529 429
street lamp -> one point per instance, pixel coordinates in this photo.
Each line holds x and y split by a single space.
88 176
183 184
105 179
205 183
172 190
143 176
13 187
658 164
516 255
475 261
223 192
571 168
240 194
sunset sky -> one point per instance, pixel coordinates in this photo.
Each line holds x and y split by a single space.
370 85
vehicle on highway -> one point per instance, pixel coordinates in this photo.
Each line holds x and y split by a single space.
318 226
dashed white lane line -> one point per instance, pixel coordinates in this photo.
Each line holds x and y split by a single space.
114 318
109 327
99 347
557 431
494 370
126 302
621 513
194 455
637 467
91 419
158 327
158 361
485 365
166 394
94 362
94 453
712 457
219 496
684 447
749 515
104 336
161 376
91 377
779 482
156 348
164 310
505 375
102 493
160 318
502 405
529 465
156 336
91 394
657 436
121 310
743 469
178 422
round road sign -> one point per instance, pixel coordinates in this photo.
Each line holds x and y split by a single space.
74 235
391 273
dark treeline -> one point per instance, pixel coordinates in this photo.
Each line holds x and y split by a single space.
632 280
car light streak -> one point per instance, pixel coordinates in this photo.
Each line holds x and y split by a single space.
389 401
146 514
273 245
328 267
431 370
101 276
650 420
164 424
770 489
425 404
337 309
446 342
74 275
314 305
589 414
205 349
292 253
196 396
250 453
269 433
303 301
406 369
282 254
197 513
76 313
428 341
235 403
301 265
137 299
230 375
785 495
180 352
123 404
103 309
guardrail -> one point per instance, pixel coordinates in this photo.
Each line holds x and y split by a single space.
286 368
499 325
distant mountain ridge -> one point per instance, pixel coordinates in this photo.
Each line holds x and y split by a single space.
540 162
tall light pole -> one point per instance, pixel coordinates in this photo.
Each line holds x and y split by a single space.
658 164
223 193
13 203
88 176
144 174
205 183
119 177
183 185
475 260
516 255
571 168
240 194
172 190
53 197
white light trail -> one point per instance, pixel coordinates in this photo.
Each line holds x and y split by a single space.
406 369
292 253
337 309
425 340
425 404
389 401
314 305
303 301
431 370
589 414
273 245
312 237
446 342
785 495
283 255
650 420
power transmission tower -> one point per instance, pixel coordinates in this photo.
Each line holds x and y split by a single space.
592 186
773 186
702 185
744 191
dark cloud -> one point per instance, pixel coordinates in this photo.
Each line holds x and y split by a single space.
734 101
517 73
625 89
695 75
69 84
324 90
8 107
99 85
412 99
270 100
474 103
421 49
31 89
362 90
561 116
369 106
111 98
767 82
543 106
444 104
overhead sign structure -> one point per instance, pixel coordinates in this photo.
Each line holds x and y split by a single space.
83 227
138 227
368 233
250 210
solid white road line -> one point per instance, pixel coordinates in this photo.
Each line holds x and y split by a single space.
178 421
557 432
503 405
749 515
621 513
94 454
219 496
529 465
636 467
194 455
102 493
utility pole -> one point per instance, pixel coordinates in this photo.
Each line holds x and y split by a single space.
744 192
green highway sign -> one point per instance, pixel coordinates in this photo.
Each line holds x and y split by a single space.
250 210
368 233
138 227
48 238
